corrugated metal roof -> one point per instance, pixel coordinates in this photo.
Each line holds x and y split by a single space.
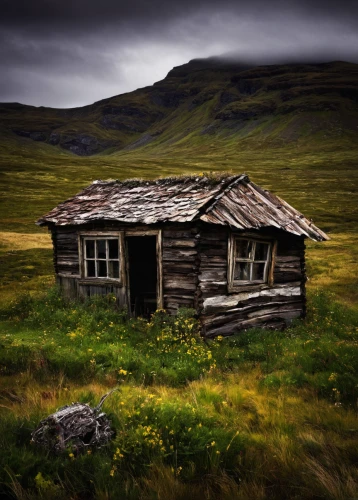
229 200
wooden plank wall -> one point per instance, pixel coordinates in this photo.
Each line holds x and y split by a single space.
224 313
180 267
67 268
194 266
66 251
212 279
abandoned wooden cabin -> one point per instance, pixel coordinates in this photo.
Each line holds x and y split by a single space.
224 246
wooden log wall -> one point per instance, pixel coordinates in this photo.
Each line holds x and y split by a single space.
180 267
66 251
67 268
194 271
212 279
261 305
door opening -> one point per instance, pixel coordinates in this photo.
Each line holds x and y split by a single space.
142 274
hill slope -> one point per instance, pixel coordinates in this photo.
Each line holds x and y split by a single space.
203 100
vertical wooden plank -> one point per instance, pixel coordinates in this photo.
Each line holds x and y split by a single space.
159 270
272 263
230 260
54 246
123 265
80 255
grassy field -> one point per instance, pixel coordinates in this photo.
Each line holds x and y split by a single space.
254 416
257 417
321 182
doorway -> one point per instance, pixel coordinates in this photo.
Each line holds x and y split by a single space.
142 274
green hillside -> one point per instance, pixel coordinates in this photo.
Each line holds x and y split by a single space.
203 100
293 129
252 417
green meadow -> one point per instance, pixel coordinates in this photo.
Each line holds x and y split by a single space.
265 415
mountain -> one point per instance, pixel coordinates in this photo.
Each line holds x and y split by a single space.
203 101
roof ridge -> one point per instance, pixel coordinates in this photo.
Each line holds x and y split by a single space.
225 188
210 177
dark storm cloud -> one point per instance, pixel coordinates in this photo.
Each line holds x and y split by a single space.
83 14
65 53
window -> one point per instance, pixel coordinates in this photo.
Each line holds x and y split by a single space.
101 257
249 261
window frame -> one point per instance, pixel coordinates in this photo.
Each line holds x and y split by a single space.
107 235
235 284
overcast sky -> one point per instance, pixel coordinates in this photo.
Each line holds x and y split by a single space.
66 53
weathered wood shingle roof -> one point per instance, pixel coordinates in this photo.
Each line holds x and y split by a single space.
229 200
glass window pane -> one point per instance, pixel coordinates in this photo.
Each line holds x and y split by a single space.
113 269
91 268
251 249
113 249
102 258
242 271
242 251
261 251
102 268
101 249
258 270
90 249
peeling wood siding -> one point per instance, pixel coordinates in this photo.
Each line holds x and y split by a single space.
262 305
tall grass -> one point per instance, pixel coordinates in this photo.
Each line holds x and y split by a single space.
95 340
263 415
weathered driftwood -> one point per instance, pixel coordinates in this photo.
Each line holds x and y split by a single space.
74 427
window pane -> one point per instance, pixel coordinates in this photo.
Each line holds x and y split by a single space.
90 249
250 249
101 249
242 251
101 257
261 251
113 249
113 269
258 270
242 271
91 268
102 268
